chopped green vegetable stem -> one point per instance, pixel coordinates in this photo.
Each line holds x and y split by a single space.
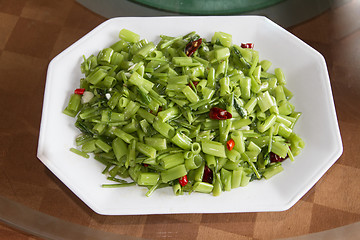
146 111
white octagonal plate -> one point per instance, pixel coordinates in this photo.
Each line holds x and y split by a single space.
306 73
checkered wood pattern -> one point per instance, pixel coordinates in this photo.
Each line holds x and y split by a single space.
32 32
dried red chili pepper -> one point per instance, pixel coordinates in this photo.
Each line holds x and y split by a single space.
146 165
275 158
192 46
219 114
79 91
183 180
247 45
195 83
208 175
230 144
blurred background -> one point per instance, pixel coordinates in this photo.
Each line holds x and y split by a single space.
35 205
284 12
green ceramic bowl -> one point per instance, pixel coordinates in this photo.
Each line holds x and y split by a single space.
208 7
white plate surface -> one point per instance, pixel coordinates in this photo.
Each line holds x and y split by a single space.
307 77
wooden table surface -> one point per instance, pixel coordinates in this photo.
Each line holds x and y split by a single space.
32 32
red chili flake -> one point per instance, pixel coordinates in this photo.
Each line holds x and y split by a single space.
247 45
193 82
230 144
275 158
192 46
208 175
219 114
79 91
183 180
146 165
